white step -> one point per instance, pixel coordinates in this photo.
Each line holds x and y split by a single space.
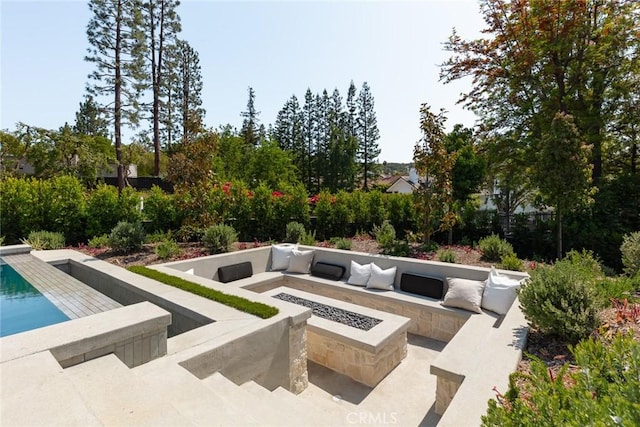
35 391
262 407
181 382
117 397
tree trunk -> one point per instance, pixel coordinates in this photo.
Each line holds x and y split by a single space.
634 158
559 237
117 107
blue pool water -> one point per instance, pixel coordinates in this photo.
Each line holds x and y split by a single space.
23 307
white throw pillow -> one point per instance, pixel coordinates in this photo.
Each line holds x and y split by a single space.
381 279
280 255
465 294
500 292
360 274
300 261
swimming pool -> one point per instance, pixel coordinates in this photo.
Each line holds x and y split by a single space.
23 307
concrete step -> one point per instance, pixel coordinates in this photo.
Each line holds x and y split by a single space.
263 407
117 397
35 391
194 398
305 412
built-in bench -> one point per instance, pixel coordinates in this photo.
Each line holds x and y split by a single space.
366 354
482 348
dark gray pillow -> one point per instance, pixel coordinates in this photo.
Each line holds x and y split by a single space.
327 271
229 273
432 287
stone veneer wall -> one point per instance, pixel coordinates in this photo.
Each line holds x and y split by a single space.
356 363
298 375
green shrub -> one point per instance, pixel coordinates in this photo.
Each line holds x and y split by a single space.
190 233
23 207
126 237
67 208
158 236
256 308
630 249
160 210
603 390
619 288
308 239
323 211
102 210
385 235
585 262
42 240
561 300
430 247
447 255
511 262
377 211
341 243
99 242
1 240
294 232
219 238
167 249
493 248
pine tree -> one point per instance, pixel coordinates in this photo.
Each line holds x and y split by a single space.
323 136
90 119
352 110
367 133
250 131
309 124
116 50
161 24
182 114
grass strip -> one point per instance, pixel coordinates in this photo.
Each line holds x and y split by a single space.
259 309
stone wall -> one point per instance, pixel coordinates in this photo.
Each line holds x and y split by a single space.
358 364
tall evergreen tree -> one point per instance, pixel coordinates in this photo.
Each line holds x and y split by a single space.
352 110
250 131
90 119
116 50
323 136
161 24
309 124
182 114
367 133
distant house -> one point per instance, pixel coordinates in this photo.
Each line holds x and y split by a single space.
406 184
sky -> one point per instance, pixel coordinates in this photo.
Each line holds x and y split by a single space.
279 48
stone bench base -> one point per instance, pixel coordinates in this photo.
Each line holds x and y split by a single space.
364 356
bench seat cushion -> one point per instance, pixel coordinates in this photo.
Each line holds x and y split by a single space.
327 271
432 287
229 273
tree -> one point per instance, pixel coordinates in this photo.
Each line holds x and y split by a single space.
90 119
271 165
116 50
434 197
367 133
468 171
288 132
65 152
161 25
547 57
562 170
181 114
309 124
250 128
